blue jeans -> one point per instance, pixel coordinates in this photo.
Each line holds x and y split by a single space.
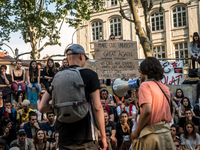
29 89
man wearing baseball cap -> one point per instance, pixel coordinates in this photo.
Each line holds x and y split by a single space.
71 136
23 141
23 114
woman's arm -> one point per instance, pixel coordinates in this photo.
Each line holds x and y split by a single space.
28 77
38 78
11 73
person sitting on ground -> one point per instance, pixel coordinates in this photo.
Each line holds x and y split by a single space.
128 107
111 126
7 130
23 141
19 98
105 95
194 49
9 111
49 127
179 95
33 78
64 64
56 138
174 130
5 82
177 144
32 126
1 100
196 110
23 114
18 78
3 144
40 141
49 72
42 117
14 147
123 128
188 117
126 143
185 104
108 109
190 139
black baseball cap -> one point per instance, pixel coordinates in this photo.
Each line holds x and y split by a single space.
21 131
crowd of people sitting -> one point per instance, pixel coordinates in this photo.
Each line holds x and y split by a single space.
27 129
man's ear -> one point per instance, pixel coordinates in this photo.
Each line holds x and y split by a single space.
81 56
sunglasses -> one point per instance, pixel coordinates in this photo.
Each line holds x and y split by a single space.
22 135
177 145
112 38
172 130
42 92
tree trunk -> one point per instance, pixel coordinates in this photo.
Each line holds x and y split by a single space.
144 40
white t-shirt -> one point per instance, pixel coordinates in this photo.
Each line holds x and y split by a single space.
126 109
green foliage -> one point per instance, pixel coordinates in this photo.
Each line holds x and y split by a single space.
39 19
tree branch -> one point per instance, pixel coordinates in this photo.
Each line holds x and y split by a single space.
22 54
58 55
47 44
123 14
151 5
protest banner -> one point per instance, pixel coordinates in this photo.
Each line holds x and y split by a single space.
90 64
173 72
116 59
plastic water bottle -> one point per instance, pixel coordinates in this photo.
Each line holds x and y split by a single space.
20 88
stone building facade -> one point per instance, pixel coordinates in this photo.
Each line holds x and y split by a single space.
172 27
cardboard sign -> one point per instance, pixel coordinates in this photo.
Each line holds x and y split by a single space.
173 72
116 59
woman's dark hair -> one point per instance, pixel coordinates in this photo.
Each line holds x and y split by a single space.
53 68
152 68
177 95
4 121
189 104
35 139
33 72
195 41
18 94
186 134
18 60
124 112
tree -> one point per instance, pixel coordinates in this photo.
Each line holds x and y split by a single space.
41 19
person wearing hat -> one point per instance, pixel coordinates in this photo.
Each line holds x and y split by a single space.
23 141
23 114
7 130
127 106
194 49
78 135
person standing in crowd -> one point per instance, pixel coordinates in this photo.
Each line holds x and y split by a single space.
40 141
7 130
49 127
185 104
179 95
33 78
49 72
190 139
23 141
5 82
152 131
123 128
8 111
64 64
32 126
194 49
188 117
18 78
71 136
23 114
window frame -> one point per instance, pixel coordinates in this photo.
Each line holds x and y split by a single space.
177 12
183 49
161 14
95 28
114 23
113 3
161 51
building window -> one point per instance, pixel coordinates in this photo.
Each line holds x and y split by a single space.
113 2
157 22
181 51
97 31
179 17
159 52
115 26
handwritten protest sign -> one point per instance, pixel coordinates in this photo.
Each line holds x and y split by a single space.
173 72
116 59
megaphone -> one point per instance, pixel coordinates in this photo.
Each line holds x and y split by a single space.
120 87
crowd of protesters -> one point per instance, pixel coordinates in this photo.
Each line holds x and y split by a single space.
24 128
